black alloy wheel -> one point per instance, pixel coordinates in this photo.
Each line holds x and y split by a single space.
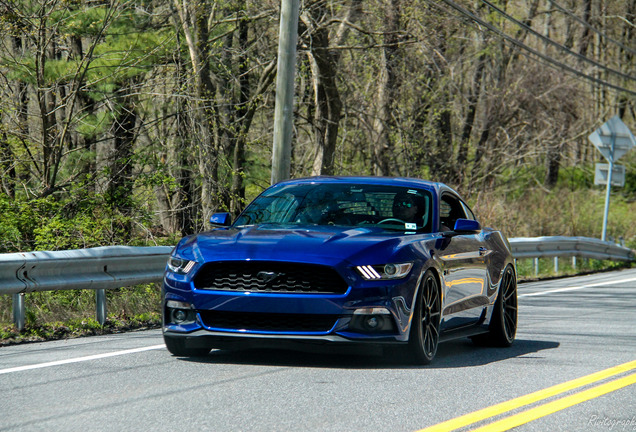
503 324
424 336
508 307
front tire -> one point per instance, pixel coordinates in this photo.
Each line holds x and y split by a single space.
503 324
424 334
177 347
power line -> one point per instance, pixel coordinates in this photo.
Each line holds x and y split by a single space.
586 24
533 51
556 44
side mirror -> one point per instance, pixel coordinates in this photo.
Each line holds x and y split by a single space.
467 226
221 220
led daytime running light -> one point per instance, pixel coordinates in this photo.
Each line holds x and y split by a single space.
388 271
369 272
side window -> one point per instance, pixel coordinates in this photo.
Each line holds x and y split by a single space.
450 209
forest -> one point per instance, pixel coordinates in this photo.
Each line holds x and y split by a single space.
132 121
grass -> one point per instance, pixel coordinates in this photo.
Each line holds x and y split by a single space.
560 212
68 314
526 270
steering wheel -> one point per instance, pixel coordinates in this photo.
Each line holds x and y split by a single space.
391 220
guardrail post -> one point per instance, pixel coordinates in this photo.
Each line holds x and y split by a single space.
536 266
574 262
556 265
18 311
100 301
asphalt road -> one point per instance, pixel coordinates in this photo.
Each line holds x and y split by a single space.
560 375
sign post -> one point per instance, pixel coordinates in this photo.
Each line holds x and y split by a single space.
613 139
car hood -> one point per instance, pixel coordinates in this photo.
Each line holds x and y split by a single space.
319 244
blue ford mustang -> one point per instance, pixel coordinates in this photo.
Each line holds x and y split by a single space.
390 261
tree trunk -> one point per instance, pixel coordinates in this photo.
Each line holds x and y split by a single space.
121 181
7 167
586 36
45 102
626 104
324 69
194 19
237 188
553 164
387 87
327 102
469 120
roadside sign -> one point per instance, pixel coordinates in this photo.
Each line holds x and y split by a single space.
602 172
613 139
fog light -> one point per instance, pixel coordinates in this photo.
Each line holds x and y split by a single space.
180 313
375 322
179 316
372 322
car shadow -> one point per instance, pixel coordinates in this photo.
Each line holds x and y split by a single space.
452 354
464 353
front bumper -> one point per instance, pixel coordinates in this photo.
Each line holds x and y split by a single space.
370 312
376 311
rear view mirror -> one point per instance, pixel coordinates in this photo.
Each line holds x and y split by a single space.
221 219
467 226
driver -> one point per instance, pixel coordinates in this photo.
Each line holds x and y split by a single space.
408 208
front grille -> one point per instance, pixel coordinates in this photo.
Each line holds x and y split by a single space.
268 322
269 277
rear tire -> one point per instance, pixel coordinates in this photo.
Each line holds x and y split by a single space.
424 334
503 324
177 347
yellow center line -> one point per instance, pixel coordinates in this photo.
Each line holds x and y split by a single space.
557 405
528 399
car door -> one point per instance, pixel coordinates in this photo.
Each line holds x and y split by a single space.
463 260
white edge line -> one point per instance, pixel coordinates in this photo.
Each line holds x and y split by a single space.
80 359
574 288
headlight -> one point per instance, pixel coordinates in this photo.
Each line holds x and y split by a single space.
387 271
180 265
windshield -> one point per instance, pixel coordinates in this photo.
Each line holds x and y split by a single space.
389 207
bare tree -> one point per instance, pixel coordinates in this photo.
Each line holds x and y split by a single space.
387 88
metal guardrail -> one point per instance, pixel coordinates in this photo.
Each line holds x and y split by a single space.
112 267
96 268
582 247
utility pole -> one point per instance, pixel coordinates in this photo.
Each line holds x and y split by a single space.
284 109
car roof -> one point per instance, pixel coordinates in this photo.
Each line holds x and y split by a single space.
389 181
